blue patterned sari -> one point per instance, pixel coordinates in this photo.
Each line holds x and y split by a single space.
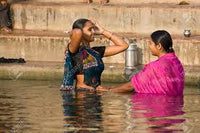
91 65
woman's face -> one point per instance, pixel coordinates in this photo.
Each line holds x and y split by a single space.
88 31
153 47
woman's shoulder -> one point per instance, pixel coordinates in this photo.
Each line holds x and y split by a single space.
170 59
166 62
157 64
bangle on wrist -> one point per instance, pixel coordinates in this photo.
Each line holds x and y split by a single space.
111 34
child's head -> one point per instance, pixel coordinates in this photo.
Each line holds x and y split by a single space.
161 42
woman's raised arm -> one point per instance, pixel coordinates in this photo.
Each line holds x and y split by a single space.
119 44
76 37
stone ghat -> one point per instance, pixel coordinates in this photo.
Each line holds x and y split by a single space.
134 18
53 71
126 1
50 46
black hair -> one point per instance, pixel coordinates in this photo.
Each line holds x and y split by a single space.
80 23
164 38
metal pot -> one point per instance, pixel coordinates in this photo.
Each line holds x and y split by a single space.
131 56
187 33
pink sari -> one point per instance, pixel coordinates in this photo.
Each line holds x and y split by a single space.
163 76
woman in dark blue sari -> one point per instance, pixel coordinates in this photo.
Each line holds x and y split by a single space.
5 21
84 63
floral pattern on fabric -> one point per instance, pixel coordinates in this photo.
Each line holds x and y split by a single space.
92 68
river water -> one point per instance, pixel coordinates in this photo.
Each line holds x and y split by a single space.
39 106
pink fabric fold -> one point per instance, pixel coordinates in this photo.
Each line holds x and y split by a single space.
163 76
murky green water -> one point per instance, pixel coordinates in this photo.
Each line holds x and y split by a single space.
38 106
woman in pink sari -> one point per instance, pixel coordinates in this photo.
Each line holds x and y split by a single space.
163 76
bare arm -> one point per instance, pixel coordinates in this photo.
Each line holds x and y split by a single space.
127 87
76 37
119 44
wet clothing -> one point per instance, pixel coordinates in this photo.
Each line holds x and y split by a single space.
79 61
87 61
5 20
163 76
11 60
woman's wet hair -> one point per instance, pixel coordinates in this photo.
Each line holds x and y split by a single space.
164 38
80 23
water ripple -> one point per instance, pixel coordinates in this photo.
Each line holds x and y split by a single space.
37 106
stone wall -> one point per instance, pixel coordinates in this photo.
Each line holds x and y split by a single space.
140 19
134 19
37 48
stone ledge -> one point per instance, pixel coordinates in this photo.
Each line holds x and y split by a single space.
138 4
123 1
60 34
54 71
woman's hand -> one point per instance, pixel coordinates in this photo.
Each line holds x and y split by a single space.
127 87
101 88
98 29
120 44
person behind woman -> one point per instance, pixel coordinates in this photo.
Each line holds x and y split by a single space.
163 76
84 63
5 21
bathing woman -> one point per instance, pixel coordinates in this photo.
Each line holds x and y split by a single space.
84 63
163 76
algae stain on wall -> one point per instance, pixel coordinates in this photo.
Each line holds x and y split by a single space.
23 18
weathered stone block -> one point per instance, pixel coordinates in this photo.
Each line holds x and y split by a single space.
141 19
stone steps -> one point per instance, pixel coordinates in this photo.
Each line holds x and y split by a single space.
126 1
38 35
134 18
54 71
50 46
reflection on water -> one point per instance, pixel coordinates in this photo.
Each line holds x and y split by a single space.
82 111
159 111
38 106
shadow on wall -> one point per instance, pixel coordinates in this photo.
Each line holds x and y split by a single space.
139 56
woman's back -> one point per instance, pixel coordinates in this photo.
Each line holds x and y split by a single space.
163 76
